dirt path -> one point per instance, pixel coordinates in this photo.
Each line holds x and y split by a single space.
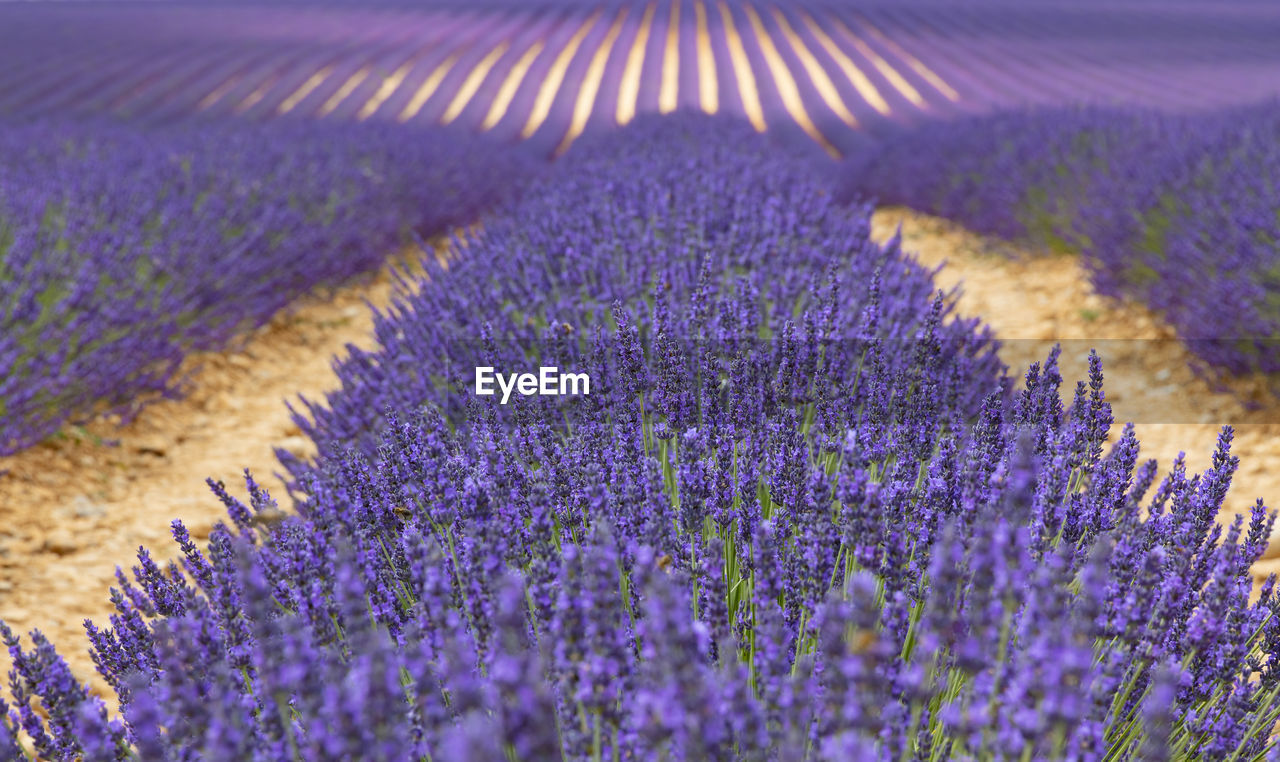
1033 302
74 508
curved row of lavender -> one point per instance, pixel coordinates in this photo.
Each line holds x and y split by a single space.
603 233
784 531
123 250
1180 212
823 73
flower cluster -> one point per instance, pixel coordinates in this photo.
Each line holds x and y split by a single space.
1181 212
807 519
122 250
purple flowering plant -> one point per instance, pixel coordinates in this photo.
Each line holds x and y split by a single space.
1179 211
805 518
123 250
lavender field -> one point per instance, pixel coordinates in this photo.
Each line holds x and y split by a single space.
547 71
789 501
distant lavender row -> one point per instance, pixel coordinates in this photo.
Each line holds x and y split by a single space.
785 538
825 73
1180 212
121 251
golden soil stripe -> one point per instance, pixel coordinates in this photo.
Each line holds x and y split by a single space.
590 86
308 87
392 83
254 97
502 101
916 65
669 91
865 87
888 72
428 87
387 88
708 86
786 83
219 92
347 88
629 87
817 75
747 89
473 82
555 77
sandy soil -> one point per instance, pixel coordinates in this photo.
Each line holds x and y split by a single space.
75 507
71 509
1035 301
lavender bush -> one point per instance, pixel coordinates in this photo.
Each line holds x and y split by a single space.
783 530
122 250
613 226
1180 212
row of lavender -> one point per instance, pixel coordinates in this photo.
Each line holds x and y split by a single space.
800 516
122 251
1180 212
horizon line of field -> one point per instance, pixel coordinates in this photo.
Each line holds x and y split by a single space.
443 79
545 74
510 71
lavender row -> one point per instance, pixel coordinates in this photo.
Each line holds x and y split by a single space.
123 250
608 227
769 546
1180 212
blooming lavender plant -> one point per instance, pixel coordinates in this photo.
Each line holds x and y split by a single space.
820 546
614 239
122 250
1178 211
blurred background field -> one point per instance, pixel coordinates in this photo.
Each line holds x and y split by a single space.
546 71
